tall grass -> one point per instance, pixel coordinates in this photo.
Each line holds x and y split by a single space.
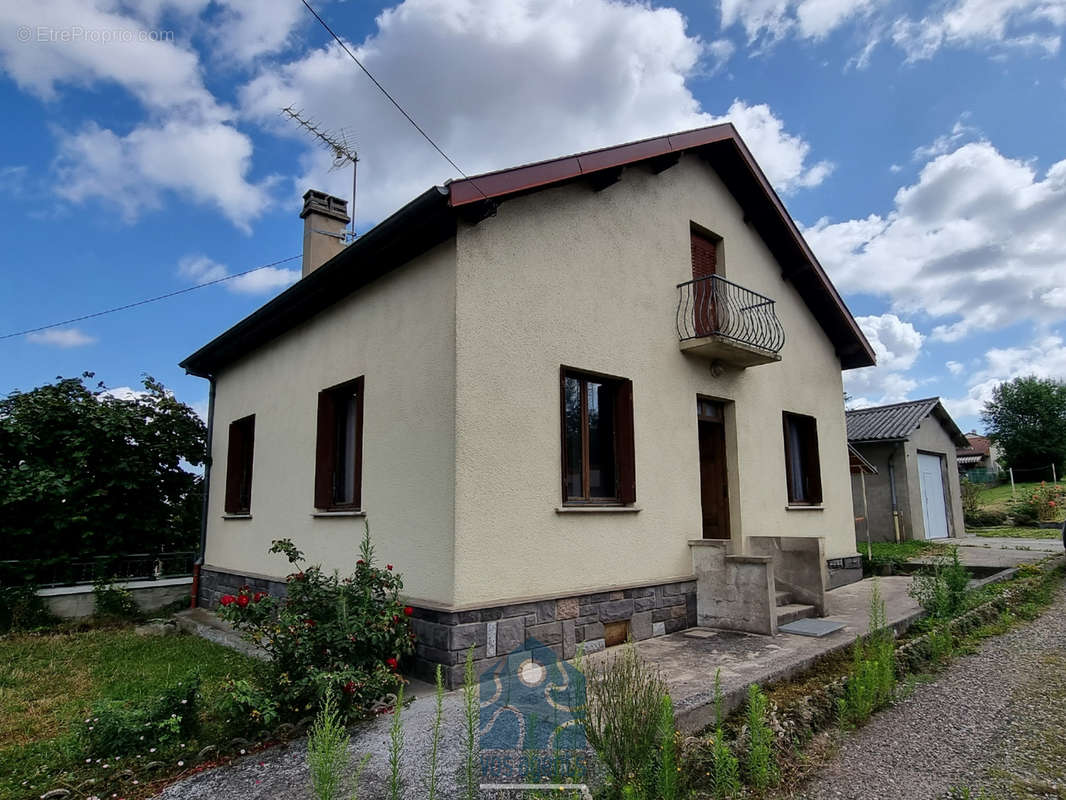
669 781
438 718
871 681
327 751
760 764
726 768
396 748
471 716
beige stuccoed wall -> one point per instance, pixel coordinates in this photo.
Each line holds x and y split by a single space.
570 276
400 333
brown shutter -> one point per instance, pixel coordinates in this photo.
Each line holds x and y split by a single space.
357 477
233 469
812 466
627 468
324 451
704 256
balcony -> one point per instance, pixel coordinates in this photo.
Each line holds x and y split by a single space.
721 321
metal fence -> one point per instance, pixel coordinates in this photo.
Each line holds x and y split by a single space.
122 567
714 306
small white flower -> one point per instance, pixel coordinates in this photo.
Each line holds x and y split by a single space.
181 763
151 749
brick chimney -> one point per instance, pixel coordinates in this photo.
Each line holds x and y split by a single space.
325 218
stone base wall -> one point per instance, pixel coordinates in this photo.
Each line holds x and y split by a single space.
559 625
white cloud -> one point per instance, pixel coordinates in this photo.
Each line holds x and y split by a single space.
248 29
960 132
1027 24
201 269
61 337
720 51
897 345
977 242
768 21
204 162
1045 358
954 367
522 80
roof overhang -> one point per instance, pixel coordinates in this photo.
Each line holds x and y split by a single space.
433 216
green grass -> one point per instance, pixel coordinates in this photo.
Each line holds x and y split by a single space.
1009 532
999 497
49 682
905 550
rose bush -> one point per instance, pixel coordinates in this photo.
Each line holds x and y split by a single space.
1042 504
346 635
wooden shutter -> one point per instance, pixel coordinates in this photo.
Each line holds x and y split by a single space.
704 256
626 456
357 476
325 453
811 466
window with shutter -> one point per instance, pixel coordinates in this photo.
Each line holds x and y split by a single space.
339 450
239 453
802 469
704 265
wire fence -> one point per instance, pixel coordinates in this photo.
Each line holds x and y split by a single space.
120 567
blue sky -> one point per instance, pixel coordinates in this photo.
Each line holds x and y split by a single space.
920 146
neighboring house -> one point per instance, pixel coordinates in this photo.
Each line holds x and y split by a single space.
860 468
979 459
914 493
538 385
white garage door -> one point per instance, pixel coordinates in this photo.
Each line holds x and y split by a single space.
934 510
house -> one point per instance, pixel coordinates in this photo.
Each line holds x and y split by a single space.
584 399
979 459
914 493
860 468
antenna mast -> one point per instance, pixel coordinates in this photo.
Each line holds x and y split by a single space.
336 143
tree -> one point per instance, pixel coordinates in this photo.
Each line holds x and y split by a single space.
1026 419
84 473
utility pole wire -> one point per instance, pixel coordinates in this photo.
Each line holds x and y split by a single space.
148 300
392 99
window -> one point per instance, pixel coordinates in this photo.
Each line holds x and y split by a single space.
239 466
339 454
598 464
802 471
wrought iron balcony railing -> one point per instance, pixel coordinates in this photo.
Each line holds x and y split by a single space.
716 307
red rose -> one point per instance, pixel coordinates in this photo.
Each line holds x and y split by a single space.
227 599
408 611
392 662
388 567
258 596
349 687
242 600
310 623
359 563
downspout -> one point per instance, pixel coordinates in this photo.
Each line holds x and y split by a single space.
207 490
892 486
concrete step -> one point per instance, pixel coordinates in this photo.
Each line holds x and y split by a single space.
792 612
783 598
207 625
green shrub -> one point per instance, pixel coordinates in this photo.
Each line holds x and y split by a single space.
986 517
970 493
1041 504
943 588
871 680
248 706
121 727
114 601
328 634
327 751
22 609
622 718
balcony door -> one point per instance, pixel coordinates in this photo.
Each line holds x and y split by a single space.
704 265
714 488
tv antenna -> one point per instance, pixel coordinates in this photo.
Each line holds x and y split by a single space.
336 143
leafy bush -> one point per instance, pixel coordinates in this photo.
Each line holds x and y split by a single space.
22 609
970 493
986 517
120 727
328 634
943 588
622 722
1042 504
114 601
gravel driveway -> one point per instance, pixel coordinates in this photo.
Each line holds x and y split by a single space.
992 722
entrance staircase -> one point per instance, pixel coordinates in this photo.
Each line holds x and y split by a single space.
788 610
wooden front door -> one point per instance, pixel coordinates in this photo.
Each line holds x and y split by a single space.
714 488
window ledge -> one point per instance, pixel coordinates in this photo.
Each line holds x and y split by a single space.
358 513
597 509
816 507
236 516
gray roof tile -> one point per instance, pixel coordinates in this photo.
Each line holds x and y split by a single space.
896 421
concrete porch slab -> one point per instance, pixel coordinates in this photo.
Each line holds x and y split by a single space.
689 664
811 627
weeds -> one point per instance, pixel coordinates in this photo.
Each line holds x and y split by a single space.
471 712
327 750
941 645
437 719
942 589
871 681
396 748
726 768
668 769
760 764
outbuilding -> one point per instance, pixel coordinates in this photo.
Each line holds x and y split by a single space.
914 493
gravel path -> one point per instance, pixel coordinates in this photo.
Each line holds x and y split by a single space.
993 722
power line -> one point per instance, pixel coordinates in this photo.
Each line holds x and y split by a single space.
147 300
392 99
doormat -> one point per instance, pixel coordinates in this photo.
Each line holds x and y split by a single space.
812 627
